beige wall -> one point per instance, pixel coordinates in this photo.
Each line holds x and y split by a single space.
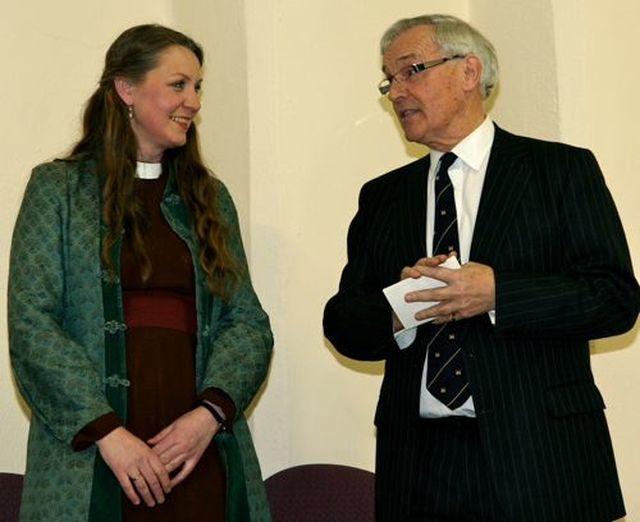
51 55
598 109
292 123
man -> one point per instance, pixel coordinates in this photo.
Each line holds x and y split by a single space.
545 268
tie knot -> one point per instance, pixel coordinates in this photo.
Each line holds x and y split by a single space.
447 160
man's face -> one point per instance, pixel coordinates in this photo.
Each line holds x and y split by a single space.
430 103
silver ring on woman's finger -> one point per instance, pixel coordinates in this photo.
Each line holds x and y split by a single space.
133 479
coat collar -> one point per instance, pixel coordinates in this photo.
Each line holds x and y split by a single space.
506 180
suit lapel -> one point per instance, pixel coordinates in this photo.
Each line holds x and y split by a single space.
506 180
415 209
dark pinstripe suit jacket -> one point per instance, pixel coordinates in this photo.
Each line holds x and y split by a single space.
549 228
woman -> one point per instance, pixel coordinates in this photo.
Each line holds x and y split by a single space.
135 335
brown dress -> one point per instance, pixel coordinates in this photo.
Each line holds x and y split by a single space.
161 341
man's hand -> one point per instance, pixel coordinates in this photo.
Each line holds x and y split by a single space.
469 290
416 271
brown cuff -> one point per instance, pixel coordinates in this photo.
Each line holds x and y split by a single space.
221 399
95 430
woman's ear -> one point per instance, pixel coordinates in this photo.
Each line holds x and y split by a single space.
124 88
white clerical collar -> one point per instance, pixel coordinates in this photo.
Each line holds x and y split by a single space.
148 170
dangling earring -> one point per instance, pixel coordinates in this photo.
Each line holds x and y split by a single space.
130 111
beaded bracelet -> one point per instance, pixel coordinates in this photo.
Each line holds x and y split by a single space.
215 413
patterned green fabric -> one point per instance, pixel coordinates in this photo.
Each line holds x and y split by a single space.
57 328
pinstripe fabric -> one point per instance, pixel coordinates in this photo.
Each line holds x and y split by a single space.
454 489
549 228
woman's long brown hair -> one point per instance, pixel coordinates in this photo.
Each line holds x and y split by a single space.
108 136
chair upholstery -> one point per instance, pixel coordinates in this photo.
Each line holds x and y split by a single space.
10 492
321 493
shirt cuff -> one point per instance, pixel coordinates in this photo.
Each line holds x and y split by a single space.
404 338
219 398
95 430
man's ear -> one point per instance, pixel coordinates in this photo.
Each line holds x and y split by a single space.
472 71
124 88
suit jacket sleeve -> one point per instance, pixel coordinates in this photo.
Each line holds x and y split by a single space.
386 234
358 319
577 281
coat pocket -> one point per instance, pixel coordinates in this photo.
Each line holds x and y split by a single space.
573 399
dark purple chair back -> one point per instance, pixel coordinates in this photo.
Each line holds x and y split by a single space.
321 493
10 492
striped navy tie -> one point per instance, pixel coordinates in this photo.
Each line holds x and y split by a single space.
446 379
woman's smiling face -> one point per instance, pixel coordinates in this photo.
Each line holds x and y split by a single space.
164 103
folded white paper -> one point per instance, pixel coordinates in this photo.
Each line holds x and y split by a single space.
406 311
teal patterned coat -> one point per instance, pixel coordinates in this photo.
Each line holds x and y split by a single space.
67 343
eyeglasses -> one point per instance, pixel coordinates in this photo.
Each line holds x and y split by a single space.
407 74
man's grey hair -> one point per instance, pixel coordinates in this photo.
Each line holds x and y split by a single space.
453 36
